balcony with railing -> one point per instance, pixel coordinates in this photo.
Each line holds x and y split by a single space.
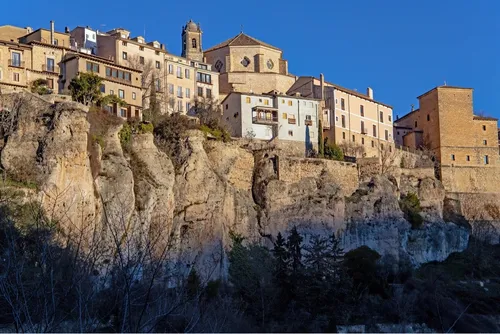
263 115
308 122
16 63
50 68
364 131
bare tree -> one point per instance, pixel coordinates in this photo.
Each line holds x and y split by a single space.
389 157
352 149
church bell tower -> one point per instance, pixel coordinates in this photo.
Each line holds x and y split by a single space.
191 41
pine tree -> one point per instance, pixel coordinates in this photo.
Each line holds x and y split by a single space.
281 257
294 246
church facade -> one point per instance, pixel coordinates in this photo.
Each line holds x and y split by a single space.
249 65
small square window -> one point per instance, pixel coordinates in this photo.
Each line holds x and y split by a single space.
284 115
141 48
362 110
342 104
158 65
415 124
428 118
467 158
123 112
453 157
16 77
290 133
343 135
111 92
124 55
266 102
486 160
390 118
290 103
362 141
247 100
485 142
134 96
121 93
353 138
484 127
124 43
227 106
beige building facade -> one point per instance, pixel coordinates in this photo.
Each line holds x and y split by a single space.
248 65
446 124
177 81
21 63
355 121
118 80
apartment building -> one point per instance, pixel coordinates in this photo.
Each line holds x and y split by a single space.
349 118
177 81
48 36
266 116
35 57
446 124
84 38
12 33
125 82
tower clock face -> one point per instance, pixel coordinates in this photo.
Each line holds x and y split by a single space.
270 64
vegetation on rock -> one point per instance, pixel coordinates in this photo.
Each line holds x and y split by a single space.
410 205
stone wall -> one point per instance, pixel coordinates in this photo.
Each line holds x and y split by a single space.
345 174
471 179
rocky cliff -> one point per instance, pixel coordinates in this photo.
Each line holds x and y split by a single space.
136 193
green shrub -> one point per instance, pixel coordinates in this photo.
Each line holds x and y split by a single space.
98 139
219 133
333 152
125 134
410 205
146 128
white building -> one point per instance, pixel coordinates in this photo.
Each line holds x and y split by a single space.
290 118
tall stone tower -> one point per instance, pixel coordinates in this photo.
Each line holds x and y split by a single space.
191 41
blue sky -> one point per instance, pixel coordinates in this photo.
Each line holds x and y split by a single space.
400 48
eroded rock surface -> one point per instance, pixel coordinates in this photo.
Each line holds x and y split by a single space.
220 189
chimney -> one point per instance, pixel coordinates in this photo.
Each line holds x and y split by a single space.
52 32
369 93
66 30
322 85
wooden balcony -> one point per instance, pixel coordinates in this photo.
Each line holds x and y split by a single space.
264 115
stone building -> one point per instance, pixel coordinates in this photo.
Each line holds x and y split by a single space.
117 80
265 116
357 122
446 124
36 55
191 42
249 65
12 33
176 81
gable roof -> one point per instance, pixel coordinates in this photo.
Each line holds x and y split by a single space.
241 40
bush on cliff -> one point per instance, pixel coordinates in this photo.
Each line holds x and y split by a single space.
332 151
410 205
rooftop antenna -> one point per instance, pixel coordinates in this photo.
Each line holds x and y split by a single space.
241 30
144 31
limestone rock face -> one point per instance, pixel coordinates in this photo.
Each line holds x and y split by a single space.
207 209
154 179
49 147
254 191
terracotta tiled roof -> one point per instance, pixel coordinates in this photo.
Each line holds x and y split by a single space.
241 40
485 118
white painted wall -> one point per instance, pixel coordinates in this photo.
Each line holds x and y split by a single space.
237 115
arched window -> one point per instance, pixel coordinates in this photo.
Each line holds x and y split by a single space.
193 43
